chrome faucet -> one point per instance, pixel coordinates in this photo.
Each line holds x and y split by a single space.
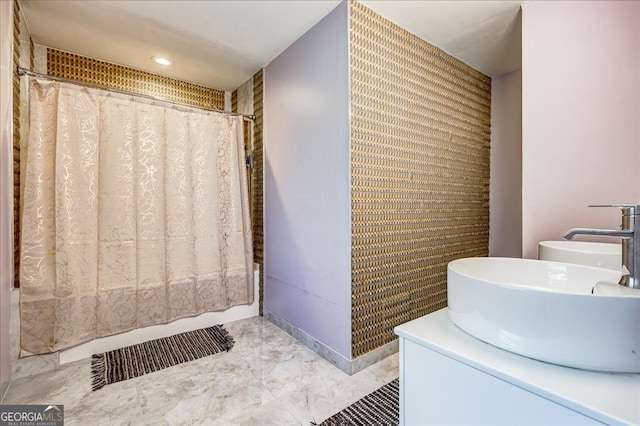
630 233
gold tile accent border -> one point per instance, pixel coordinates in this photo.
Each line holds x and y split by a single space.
420 137
16 143
31 54
88 70
234 101
257 176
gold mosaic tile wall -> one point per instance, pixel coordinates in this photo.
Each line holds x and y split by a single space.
257 180
234 101
88 70
16 143
420 174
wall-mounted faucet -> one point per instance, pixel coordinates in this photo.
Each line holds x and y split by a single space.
630 233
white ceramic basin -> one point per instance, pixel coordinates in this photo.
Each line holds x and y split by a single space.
603 255
545 310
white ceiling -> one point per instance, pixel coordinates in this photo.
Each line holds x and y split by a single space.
222 44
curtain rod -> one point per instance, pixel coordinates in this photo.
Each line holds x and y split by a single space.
23 71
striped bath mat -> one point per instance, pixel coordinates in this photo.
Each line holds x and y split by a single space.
381 407
133 361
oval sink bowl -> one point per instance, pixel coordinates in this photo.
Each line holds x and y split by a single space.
602 255
545 311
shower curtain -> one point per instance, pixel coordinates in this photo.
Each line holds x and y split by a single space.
135 213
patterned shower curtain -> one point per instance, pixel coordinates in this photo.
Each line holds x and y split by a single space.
134 214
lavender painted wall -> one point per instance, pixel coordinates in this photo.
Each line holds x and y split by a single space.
307 184
6 180
505 207
581 115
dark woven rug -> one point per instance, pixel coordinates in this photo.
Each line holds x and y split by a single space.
133 361
381 408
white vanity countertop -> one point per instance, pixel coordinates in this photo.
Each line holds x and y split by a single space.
609 398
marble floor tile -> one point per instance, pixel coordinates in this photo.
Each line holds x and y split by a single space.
69 382
255 335
270 414
285 369
321 399
118 406
387 369
268 378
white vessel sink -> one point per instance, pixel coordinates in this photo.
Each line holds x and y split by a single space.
545 311
603 255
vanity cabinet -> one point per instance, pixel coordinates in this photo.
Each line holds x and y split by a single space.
449 377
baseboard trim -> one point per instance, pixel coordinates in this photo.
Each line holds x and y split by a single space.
349 366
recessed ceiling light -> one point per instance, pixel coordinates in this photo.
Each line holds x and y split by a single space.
162 61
